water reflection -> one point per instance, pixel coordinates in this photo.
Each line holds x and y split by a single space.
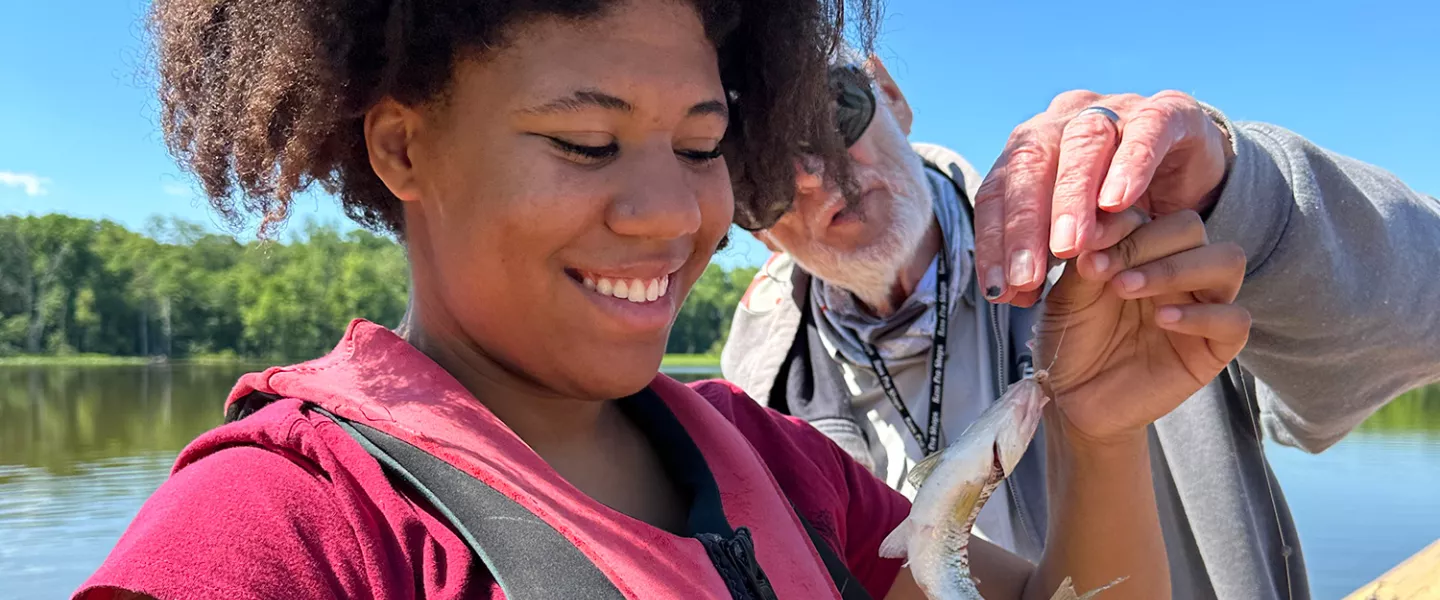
59 418
81 448
1416 412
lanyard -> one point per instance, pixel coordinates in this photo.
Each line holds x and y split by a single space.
930 438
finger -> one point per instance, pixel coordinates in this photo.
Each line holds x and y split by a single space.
1225 327
990 232
1169 234
1029 181
1213 273
1086 144
1150 132
1071 102
1068 103
1030 298
1109 229
1026 299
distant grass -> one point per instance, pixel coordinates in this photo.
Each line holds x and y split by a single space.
106 360
73 360
691 361
684 361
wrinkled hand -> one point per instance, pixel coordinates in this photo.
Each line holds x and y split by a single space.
1164 155
1141 325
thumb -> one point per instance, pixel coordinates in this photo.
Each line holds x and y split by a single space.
1073 290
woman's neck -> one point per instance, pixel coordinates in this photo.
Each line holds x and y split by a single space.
551 424
590 444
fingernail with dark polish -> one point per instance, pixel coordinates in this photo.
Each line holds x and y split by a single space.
994 282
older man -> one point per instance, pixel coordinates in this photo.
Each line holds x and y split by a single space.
1340 283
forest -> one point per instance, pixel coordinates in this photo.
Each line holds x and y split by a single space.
71 286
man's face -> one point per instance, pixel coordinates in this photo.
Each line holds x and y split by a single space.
860 248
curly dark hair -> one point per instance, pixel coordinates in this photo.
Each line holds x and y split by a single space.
260 98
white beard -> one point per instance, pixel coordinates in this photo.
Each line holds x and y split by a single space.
871 272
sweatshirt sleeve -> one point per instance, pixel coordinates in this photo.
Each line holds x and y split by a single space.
243 523
1342 281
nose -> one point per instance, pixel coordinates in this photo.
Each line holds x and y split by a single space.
812 191
662 201
809 175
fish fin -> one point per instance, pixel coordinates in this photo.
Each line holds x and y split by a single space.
897 544
1067 590
1091 594
922 470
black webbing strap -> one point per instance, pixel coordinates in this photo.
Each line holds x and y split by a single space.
525 555
850 588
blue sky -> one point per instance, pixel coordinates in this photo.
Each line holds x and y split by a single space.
78 130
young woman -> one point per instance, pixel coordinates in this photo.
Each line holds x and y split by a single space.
560 173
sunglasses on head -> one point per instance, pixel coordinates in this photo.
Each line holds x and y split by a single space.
854 102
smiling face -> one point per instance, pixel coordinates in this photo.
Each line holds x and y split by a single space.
566 195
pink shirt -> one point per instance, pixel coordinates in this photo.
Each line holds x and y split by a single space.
284 504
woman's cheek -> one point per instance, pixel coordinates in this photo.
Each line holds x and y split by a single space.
717 203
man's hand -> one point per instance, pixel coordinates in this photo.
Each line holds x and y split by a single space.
1064 166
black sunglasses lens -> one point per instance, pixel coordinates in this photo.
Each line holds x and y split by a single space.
854 107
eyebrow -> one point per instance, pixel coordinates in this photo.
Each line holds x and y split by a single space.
710 107
583 99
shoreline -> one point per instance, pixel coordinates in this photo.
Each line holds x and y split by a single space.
686 362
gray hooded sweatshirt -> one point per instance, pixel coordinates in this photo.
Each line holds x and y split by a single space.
1340 283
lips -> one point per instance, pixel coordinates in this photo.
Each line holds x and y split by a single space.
832 211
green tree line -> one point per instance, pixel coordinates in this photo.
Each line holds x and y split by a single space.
79 286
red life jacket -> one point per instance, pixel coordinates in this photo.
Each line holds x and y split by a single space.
378 381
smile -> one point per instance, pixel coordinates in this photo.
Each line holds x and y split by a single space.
638 290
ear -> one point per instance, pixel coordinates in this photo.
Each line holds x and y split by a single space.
898 106
390 133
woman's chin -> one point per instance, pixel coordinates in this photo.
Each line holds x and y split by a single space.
620 377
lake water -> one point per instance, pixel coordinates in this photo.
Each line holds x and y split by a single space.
82 448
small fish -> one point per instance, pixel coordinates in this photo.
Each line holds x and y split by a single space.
955 483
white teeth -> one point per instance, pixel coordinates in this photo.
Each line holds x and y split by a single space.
634 290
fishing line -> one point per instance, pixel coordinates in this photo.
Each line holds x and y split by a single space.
1285 550
1060 342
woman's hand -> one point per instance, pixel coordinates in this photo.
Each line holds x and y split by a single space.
1140 325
